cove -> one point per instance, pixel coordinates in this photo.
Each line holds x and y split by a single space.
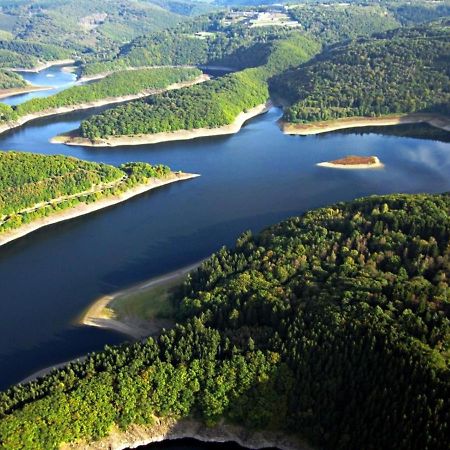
249 180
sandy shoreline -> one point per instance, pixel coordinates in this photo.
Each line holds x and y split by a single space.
43 66
171 429
435 120
181 135
376 165
97 315
106 101
83 208
5 93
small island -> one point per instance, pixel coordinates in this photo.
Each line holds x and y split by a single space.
354 162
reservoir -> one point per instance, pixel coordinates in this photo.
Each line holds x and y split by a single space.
249 180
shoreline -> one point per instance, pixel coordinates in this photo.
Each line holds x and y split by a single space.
84 208
96 104
434 120
43 66
166 429
376 165
12 92
96 316
179 135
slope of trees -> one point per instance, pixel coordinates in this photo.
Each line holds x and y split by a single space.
118 84
210 104
234 46
401 71
9 80
33 185
334 325
332 23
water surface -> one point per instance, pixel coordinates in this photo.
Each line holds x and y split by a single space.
249 181
52 76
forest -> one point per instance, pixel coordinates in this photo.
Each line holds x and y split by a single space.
340 22
211 104
333 325
57 182
397 72
9 80
122 83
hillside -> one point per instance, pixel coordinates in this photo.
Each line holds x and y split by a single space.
9 80
85 25
401 71
33 186
333 325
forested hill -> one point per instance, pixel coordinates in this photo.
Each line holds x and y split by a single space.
208 105
334 325
33 186
401 71
9 80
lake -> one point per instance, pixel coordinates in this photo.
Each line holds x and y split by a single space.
249 181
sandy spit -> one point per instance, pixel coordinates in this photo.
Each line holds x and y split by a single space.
43 66
169 429
83 208
97 315
106 101
155 138
377 165
357 122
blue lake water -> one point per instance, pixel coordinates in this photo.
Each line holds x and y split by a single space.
53 77
249 181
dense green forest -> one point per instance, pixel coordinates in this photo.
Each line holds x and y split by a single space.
211 104
55 183
10 80
333 325
333 23
400 71
203 40
85 26
128 82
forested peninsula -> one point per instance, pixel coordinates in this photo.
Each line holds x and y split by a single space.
211 105
38 190
400 76
117 87
332 326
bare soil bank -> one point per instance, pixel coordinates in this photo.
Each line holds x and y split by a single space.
357 122
170 429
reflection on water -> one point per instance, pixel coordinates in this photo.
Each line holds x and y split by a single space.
249 181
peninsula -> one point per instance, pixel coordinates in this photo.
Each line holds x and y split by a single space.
354 162
38 190
305 129
73 137
119 87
